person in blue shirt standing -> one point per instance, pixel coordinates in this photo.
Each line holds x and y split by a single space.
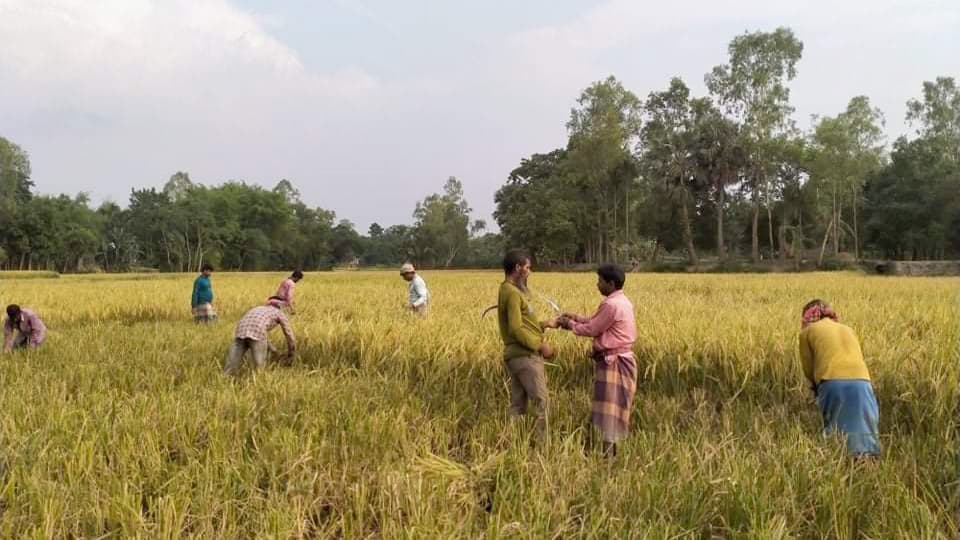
202 299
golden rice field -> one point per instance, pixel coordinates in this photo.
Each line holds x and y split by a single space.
387 426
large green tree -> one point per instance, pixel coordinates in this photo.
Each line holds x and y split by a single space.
913 203
937 113
667 151
845 150
15 192
442 225
603 130
719 158
15 183
536 209
752 86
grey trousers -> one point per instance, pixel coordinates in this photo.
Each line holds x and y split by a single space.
239 347
528 384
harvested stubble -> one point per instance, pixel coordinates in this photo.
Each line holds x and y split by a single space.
391 426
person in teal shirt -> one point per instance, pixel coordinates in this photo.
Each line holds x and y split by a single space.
202 300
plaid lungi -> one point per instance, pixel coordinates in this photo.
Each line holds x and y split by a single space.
614 385
204 313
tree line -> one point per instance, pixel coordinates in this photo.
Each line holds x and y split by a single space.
233 226
727 176
730 175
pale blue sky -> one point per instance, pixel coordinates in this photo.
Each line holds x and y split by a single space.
401 39
367 106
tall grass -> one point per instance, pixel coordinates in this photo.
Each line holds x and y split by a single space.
390 426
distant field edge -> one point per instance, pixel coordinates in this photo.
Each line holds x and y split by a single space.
28 274
670 266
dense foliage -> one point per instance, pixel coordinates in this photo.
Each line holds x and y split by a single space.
727 175
234 225
730 173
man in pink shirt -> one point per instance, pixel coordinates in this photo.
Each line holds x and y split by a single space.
285 291
22 329
613 329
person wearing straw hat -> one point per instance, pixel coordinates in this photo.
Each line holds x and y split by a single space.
419 297
833 364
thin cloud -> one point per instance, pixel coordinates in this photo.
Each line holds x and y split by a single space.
115 94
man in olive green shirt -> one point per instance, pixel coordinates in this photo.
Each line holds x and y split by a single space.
524 347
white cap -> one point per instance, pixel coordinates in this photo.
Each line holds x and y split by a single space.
407 269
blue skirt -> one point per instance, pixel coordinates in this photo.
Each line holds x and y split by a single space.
850 407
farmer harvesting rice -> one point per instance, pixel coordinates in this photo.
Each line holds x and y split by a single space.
202 299
252 335
833 363
417 288
524 348
285 291
22 329
613 331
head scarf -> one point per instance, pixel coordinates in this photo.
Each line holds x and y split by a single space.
818 311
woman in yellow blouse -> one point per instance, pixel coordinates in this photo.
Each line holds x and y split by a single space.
833 363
